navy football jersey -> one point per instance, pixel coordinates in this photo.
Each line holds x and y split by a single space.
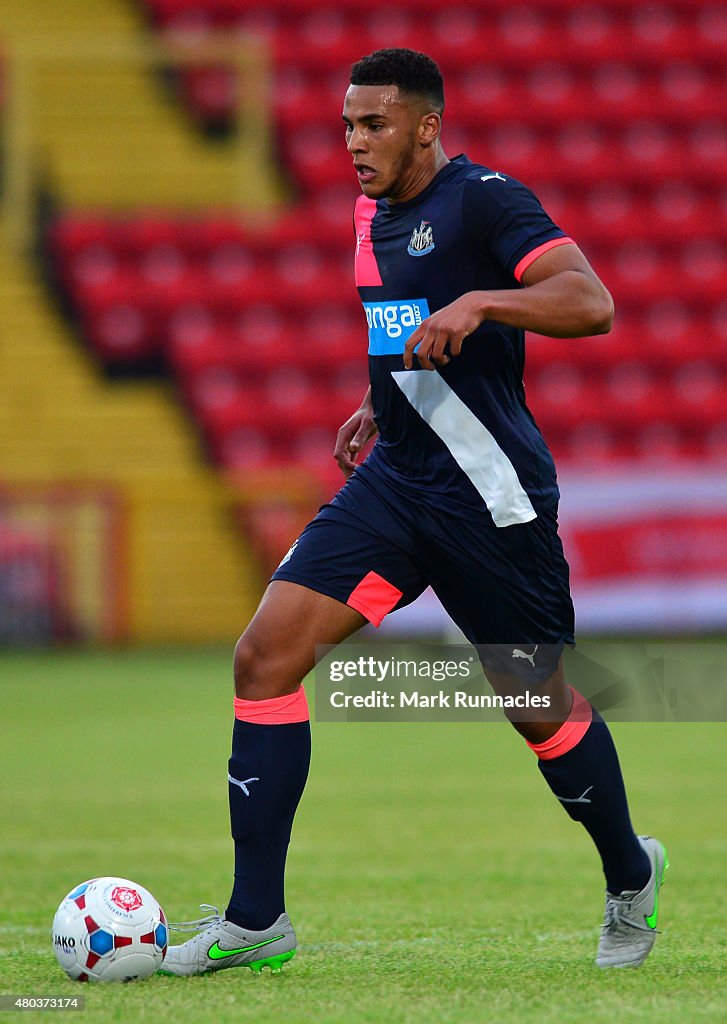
461 435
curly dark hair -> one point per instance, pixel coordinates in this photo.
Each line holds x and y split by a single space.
413 73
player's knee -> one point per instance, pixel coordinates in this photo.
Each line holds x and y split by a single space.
248 664
536 732
259 674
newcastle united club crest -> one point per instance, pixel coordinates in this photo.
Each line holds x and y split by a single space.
422 240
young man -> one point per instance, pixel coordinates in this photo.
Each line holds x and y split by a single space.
454 262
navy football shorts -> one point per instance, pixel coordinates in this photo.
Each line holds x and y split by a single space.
376 550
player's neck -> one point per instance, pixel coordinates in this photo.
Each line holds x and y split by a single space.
423 177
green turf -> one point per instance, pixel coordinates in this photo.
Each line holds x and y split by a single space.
432 876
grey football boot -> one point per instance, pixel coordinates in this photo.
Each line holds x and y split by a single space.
629 928
221 944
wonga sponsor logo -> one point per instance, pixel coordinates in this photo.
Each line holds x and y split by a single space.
391 324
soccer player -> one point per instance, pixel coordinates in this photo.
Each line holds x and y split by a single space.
453 261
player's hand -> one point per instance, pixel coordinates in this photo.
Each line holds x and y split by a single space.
352 437
439 338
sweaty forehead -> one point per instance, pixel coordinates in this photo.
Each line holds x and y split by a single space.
363 100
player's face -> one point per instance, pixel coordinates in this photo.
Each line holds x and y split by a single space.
381 136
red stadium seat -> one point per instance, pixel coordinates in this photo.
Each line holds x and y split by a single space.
714 442
592 29
633 395
244 449
196 343
263 327
136 236
213 232
216 391
93 291
659 442
668 322
212 94
561 395
68 235
697 395
316 156
121 334
92 266
162 265
590 444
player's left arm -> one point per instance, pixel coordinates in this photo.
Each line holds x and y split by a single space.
562 298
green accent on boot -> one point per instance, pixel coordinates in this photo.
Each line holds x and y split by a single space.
275 963
215 953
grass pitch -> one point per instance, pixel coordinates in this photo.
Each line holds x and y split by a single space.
432 876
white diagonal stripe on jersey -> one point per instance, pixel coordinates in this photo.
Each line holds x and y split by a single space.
470 443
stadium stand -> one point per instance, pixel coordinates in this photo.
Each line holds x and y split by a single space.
613 113
87 117
215 261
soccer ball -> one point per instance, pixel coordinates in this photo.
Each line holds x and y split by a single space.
109 929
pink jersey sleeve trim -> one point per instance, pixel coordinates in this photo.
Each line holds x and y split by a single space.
366 267
374 597
532 256
275 711
570 733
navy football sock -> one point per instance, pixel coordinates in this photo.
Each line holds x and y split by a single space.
267 774
581 767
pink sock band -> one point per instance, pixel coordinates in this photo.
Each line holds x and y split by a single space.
570 733
276 711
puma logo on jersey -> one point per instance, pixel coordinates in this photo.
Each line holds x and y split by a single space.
489 177
517 653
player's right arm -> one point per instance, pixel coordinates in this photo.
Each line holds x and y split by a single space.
353 435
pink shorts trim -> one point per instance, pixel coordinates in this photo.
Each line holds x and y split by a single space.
275 711
570 733
541 249
374 597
